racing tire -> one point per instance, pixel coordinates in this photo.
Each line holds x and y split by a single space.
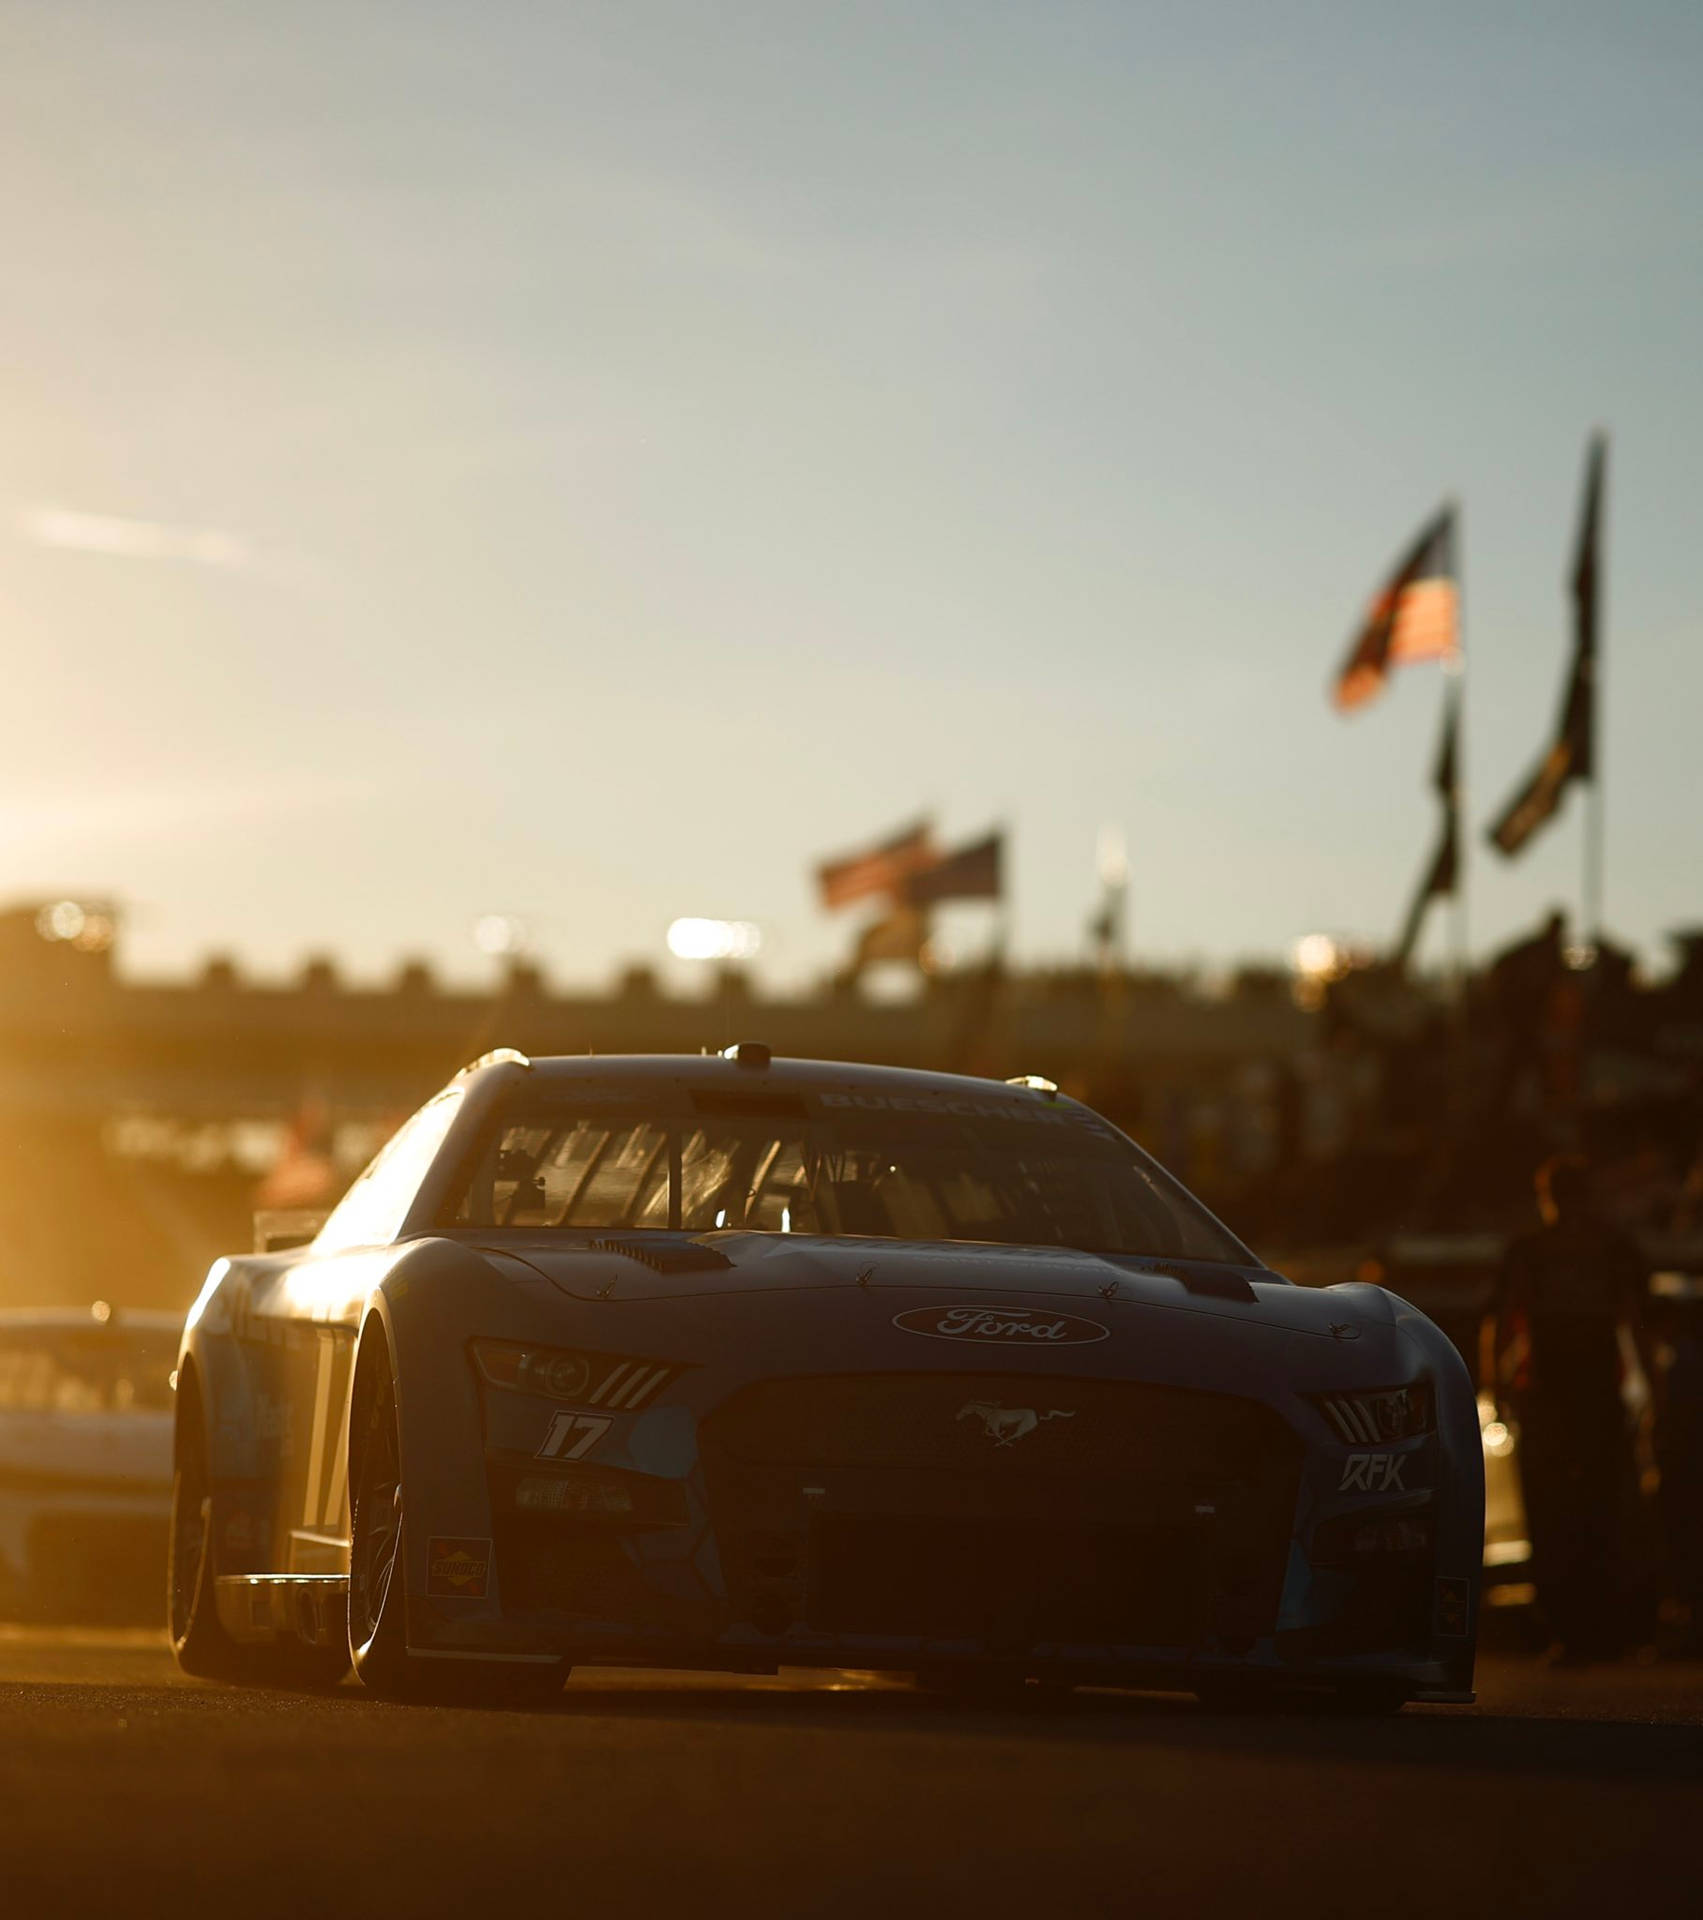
199 1642
378 1582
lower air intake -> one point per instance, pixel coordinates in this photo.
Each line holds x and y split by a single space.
1004 1585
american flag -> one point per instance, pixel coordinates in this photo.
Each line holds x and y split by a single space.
1414 616
882 869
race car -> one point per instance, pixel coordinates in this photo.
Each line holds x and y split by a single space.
738 1363
86 1417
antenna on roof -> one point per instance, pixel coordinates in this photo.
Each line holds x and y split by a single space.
747 1053
497 1057
1036 1083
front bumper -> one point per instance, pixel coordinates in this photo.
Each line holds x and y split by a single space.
1148 1535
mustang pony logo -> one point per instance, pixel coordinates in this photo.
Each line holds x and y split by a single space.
1004 1426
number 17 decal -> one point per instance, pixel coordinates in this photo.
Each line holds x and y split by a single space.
572 1436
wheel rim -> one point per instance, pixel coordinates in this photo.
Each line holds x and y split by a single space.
376 1547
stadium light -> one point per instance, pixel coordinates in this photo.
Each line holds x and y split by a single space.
1318 957
698 939
88 929
499 933
1111 858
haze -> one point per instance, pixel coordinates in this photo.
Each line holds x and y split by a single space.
588 463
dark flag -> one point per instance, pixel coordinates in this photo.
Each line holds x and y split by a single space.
882 869
1442 875
1572 755
1414 615
972 873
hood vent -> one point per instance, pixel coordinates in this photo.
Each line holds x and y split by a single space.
1216 1283
667 1256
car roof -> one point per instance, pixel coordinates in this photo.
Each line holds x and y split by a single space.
711 1069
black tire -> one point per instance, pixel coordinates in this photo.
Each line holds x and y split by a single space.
198 1639
378 1617
199 1643
378 1581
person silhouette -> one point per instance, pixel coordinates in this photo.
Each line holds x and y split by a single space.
1553 1357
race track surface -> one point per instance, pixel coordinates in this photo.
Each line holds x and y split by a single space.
126 1790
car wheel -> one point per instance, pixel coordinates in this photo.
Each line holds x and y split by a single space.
198 1638
199 1642
378 1583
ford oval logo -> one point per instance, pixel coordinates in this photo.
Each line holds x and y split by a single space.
1000 1326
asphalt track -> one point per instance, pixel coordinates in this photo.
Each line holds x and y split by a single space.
127 1790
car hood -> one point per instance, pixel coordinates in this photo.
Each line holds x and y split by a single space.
659 1266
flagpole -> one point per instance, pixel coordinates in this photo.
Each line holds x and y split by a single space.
1594 805
1458 1096
1592 617
1591 888
1461 916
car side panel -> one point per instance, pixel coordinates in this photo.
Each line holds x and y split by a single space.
271 1343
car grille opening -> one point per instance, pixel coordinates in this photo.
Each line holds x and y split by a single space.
1007 1510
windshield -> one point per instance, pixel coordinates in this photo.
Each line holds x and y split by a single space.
92 1371
895 1167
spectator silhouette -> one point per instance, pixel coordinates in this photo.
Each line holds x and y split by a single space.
1552 1356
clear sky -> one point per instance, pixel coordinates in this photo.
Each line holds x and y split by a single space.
595 459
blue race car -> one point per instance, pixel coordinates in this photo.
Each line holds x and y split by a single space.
739 1363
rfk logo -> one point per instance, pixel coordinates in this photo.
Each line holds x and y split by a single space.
1373 1473
1005 1426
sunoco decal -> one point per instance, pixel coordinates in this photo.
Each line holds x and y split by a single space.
1000 1326
458 1569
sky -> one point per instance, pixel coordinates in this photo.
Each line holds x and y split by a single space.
590 462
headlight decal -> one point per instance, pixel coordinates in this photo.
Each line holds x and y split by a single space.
619 1383
1376 1418
629 1386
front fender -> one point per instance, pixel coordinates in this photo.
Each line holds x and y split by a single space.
1460 1519
418 1323
212 1353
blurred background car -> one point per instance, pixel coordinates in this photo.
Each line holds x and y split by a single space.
85 1461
